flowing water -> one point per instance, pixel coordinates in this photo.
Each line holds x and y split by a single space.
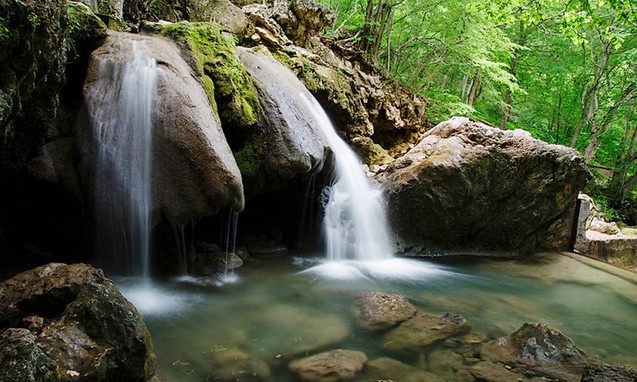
275 313
122 132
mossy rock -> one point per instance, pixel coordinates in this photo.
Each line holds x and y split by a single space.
370 152
85 30
226 82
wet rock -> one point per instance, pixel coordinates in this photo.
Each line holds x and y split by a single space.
609 373
445 363
538 349
376 310
472 186
194 171
390 369
288 141
493 372
82 321
332 366
87 31
21 359
422 330
233 365
210 260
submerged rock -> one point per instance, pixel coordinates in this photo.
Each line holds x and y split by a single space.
376 310
83 324
390 369
422 330
609 373
194 171
333 366
233 365
471 186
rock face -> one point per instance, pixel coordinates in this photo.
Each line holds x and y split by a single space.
80 327
472 186
194 171
332 366
288 141
376 310
32 60
419 332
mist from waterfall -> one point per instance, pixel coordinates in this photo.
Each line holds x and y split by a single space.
123 148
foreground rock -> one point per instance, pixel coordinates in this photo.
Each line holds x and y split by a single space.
376 310
332 366
233 365
472 186
538 349
391 369
419 332
80 327
194 170
606 373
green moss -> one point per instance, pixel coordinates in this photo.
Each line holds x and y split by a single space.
230 86
4 31
247 160
84 29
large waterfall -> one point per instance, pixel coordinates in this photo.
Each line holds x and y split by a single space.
123 143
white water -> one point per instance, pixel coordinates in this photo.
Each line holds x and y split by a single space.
122 129
356 230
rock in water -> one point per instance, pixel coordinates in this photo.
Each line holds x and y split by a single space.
333 366
81 326
472 186
609 373
376 310
419 332
538 349
194 170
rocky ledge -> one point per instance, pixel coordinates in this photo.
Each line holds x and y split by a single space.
63 322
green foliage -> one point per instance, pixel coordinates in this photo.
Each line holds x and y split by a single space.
224 78
4 31
247 160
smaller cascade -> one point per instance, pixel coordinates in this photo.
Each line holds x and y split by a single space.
123 145
355 224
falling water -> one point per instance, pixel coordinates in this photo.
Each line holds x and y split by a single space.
354 223
123 140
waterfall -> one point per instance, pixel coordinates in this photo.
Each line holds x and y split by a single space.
122 136
355 224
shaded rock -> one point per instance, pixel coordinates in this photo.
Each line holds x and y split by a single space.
302 19
86 31
210 260
376 310
235 365
55 163
32 63
194 171
110 8
493 372
445 363
390 369
609 373
21 359
83 322
370 152
422 330
332 366
288 141
538 349
472 186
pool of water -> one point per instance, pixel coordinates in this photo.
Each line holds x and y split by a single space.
273 311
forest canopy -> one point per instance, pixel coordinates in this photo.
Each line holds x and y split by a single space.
564 70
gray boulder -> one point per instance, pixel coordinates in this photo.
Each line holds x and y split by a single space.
376 310
79 320
471 186
288 142
194 170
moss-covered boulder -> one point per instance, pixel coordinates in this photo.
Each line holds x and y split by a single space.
224 13
226 82
79 327
85 30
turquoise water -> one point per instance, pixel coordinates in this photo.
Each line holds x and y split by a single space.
272 314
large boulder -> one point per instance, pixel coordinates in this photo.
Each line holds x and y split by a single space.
471 186
288 141
194 171
377 310
81 327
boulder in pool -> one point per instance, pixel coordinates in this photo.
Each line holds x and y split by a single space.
377 311
422 330
333 366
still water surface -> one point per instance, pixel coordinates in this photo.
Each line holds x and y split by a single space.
274 313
